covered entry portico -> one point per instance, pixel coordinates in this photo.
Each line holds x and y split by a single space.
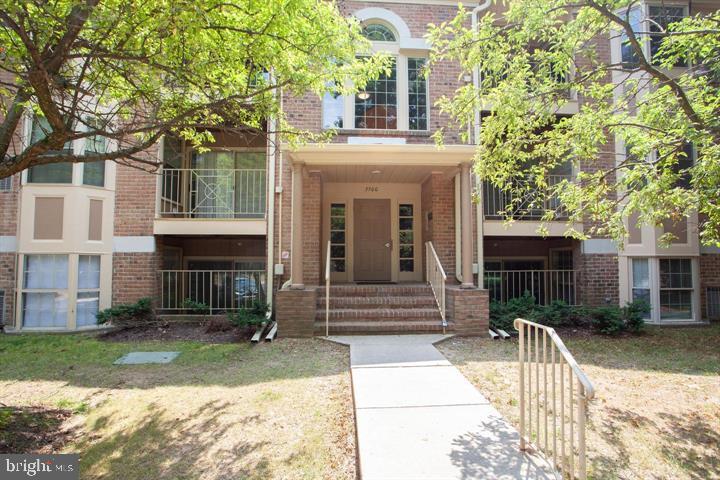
377 205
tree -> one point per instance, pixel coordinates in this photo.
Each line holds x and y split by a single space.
132 71
665 105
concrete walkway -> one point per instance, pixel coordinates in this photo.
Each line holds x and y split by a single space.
419 418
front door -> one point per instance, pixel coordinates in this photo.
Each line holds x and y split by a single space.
373 244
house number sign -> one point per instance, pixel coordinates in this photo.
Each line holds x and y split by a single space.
372 188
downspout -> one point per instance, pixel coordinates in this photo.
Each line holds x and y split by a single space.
272 151
479 208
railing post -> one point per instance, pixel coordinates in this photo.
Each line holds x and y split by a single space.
582 412
521 363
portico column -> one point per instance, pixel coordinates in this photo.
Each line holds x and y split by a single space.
466 226
296 266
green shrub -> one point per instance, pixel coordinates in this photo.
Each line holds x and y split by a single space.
127 315
607 320
502 315
194 307
634 315
249 317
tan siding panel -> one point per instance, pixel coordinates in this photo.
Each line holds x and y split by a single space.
48 218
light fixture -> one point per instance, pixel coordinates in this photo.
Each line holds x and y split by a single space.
363 95
376 172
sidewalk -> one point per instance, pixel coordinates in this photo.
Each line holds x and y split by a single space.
419 418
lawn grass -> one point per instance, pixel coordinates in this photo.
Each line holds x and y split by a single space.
219 411
656 413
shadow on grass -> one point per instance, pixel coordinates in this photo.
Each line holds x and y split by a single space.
680 439
33 429
161 446
85 361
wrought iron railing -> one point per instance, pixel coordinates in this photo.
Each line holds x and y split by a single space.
210 291
436 277
213 193
545 285
554 392
522 201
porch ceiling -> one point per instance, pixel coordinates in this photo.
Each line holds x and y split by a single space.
379 173
377 155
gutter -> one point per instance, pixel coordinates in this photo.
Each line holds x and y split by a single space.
270 237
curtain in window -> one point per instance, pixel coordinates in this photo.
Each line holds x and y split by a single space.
49 308
88 301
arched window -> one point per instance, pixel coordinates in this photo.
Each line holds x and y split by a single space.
377 32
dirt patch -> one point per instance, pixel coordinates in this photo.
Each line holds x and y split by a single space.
208 332
34 429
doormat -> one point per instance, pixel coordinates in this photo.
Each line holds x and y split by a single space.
140 358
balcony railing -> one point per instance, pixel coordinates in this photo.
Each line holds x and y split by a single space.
210 291
522 203
213 193
545 285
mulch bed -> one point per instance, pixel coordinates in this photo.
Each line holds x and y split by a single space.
210 333
34 429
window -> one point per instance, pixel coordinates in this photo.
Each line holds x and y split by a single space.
53 172
376 106
45 295
6 184
641 281
676 289
94 172
337 237
713 303
88 297
561 259
333 110
406 241
629 56
684 164
660 18
417 94
376 32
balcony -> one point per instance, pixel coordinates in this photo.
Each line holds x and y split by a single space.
213 196
201 292
546 286
524 204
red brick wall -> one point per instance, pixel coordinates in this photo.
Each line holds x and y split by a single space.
7 283
312 228
135 199
709 277
438 198
306 111
134 276
295 312
469 310
599 279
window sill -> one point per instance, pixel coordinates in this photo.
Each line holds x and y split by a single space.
378 132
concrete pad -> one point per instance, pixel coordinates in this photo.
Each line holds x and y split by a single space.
139 358
393 355
413 387
459 442
388 339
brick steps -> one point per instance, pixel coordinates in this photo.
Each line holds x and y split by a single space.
371 309
384 327
385 302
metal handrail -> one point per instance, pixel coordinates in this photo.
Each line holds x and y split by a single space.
548 442
436 277
213 193
545 285
327 290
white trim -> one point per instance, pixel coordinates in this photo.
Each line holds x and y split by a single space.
391 18
376 141
598 246
134 244
8 244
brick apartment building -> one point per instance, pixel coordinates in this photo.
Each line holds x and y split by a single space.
381 206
